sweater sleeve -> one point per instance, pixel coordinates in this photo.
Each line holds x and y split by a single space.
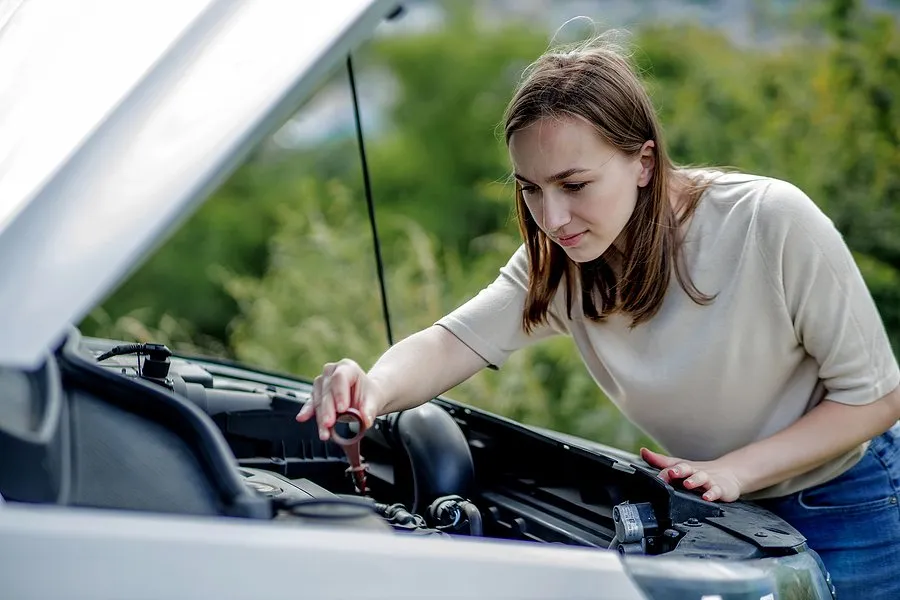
834 315
491 322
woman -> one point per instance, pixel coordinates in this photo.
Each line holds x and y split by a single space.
722 313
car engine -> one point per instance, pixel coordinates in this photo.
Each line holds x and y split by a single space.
307 481
133 427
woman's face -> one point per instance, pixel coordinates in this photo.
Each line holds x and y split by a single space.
579 190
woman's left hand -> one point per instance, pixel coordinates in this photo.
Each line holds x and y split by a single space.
718 480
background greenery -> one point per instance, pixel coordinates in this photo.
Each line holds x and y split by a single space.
277 268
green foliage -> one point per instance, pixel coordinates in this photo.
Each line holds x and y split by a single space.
884 284
296 320
823 113
277 268
181 279
441 162
145 325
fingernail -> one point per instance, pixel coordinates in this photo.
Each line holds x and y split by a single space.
323 434
675 472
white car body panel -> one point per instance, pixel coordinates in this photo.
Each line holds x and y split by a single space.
86 554
125 118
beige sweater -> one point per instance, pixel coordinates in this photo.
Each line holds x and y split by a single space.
793 323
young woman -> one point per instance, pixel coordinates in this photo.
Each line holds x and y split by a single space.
721 312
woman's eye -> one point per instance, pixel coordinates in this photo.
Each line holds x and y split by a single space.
574 187
528 189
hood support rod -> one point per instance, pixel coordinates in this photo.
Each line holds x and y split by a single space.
379 263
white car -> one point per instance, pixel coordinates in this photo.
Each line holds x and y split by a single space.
129 473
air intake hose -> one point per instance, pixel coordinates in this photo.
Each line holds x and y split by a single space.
438 454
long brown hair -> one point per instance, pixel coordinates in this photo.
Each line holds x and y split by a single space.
596 82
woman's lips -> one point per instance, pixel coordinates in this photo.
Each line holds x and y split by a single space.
572 240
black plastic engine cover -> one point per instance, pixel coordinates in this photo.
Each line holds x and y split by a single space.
307 503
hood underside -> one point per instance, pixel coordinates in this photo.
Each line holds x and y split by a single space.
119 119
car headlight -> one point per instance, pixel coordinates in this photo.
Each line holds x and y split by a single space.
795 577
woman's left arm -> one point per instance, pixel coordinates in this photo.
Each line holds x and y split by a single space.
827 431
824 433
837 323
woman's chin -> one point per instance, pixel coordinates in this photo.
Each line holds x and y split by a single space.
586 251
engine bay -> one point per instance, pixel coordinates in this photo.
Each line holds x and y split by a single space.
141 429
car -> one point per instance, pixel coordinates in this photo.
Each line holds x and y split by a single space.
129 471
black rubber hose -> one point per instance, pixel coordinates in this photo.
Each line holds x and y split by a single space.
438 453
474 516
120 350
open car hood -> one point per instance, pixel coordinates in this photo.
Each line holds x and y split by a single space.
119 119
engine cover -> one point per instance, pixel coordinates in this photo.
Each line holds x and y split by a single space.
307 503
273 485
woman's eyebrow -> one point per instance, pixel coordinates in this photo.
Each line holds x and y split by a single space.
557 177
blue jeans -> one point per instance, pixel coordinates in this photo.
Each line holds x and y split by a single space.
853 522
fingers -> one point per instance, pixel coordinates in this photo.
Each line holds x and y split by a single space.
309 409
671 468
369 413
332 393
701 480
679 471
698 479
713 493
339 385
714 481
655 459
306 412
325 411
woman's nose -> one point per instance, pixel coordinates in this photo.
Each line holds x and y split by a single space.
556 214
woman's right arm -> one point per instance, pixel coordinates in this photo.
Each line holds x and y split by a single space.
410 373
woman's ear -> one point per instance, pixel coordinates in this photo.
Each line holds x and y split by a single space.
648 162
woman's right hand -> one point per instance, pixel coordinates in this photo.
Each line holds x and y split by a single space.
341 385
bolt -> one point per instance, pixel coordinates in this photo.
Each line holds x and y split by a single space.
761 534
520 525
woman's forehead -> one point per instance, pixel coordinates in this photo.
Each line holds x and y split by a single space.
555 144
